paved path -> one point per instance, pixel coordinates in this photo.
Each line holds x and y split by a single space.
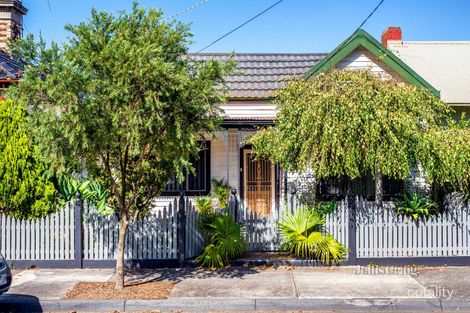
301 283
248 289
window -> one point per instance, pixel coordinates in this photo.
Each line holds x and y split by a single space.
363 186
197 183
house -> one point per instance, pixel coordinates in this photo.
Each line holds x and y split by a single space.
11 26
442 67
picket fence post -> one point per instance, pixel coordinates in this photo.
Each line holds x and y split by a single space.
181 231
351 206
78 258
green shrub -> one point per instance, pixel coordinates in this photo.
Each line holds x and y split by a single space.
326 208
226 241
303 234
221 190
91 191
415 206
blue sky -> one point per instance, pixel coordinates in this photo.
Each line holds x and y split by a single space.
292 26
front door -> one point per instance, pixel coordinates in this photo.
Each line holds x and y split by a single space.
258 184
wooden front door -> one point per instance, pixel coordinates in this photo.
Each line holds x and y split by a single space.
258 188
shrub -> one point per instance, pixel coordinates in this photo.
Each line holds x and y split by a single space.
415 206
221 190
226 241
304 235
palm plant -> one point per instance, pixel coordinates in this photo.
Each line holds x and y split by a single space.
304 235
415 206
203 205
222 191
226 242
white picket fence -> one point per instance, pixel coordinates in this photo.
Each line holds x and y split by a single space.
151 237
262 231
48 238
194 241
381 233
53 237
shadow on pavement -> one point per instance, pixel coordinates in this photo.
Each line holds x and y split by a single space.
141 276
19 303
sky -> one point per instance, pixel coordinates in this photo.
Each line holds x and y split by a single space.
292 26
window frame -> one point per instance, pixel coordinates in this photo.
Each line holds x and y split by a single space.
207 180
344 181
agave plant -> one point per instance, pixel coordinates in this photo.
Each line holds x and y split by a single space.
226 242
415 206
304 235
90 190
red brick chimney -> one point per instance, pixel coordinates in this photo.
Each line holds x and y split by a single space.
11 20
391 35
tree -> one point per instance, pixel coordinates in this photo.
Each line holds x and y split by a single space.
25 191
447 161
123 101
351 123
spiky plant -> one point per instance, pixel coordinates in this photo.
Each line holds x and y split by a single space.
304 235
221 190
226 242
415 206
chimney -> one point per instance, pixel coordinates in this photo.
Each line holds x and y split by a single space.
391 35
11 20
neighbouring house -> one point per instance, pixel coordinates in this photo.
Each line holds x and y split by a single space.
11 26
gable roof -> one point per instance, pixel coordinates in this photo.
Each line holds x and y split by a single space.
259 75
364 39
446 65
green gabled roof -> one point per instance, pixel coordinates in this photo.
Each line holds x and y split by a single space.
362 38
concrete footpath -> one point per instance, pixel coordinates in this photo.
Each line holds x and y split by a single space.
241 289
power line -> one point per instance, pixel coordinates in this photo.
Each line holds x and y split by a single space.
187 9
49 4
241 25
350 36
370 15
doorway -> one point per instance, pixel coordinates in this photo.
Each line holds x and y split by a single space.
258 183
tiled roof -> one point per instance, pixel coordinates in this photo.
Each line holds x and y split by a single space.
444 64
259 75
9 68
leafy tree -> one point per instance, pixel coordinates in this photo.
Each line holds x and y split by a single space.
447 161
122 100
25 191
351 123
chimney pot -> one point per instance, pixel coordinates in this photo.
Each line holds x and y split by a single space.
391 35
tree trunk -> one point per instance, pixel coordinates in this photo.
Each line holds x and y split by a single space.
379 193
123 225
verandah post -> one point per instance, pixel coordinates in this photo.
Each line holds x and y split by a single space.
181 230
351 206
78 257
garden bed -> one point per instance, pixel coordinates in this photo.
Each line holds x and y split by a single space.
106 291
